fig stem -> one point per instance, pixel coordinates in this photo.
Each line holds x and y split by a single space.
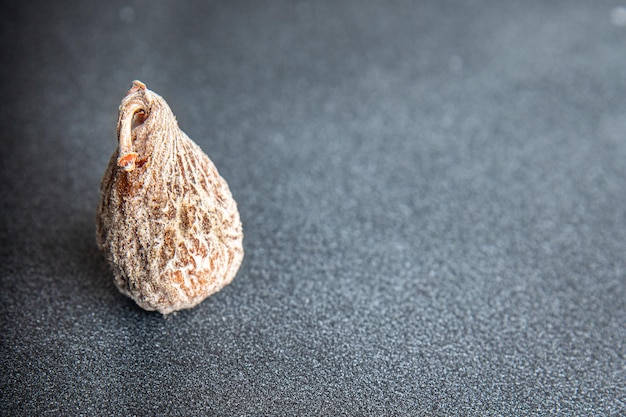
127 154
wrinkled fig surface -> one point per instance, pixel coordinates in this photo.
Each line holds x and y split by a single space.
167 222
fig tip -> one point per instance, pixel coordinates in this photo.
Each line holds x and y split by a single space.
137 85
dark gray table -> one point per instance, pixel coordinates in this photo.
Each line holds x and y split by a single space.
433 195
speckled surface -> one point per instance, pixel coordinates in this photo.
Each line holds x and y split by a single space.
433 197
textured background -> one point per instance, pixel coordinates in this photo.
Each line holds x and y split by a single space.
433 196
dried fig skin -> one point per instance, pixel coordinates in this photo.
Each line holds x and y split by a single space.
167 222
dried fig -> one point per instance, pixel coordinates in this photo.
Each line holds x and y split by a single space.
167 222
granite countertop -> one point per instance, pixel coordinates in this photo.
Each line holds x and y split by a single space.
433 196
